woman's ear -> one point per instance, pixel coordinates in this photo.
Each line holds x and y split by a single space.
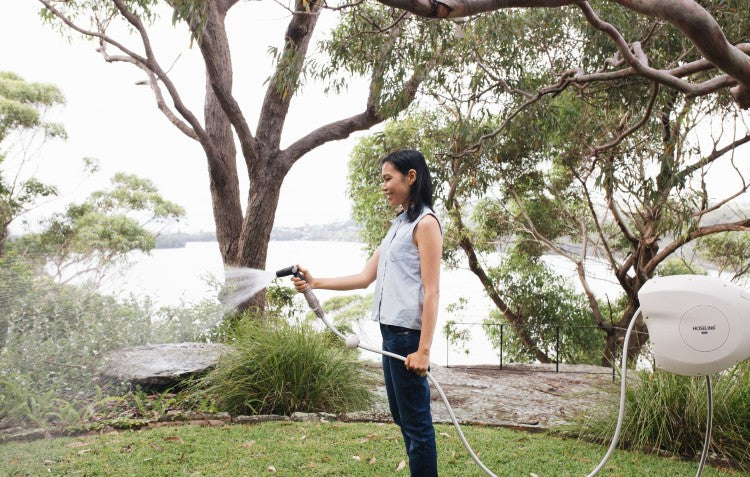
411 176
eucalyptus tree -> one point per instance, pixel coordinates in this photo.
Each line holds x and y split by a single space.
395 51
645 200
23 126
614 169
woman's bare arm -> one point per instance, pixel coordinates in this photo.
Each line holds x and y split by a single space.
429 242
361 280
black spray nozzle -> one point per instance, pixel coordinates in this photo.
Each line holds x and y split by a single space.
293 270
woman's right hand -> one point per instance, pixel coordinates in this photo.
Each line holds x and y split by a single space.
301 285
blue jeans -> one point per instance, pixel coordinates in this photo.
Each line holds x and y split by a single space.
409 400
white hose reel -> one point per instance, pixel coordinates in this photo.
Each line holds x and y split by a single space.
698 325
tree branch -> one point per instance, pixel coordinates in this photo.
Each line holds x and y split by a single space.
706 34
647 114
283 84
687 15
716 154
153 82
214 47
149 62
371 116
739 226
718 53
589 202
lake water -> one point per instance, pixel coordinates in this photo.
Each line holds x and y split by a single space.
171 276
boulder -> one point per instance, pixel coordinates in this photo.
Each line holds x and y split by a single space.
160 366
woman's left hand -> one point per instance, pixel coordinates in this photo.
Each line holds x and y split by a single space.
418 362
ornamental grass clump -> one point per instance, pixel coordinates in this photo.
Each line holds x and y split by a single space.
281 368
666 412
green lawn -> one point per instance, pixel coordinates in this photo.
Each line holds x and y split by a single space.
297 448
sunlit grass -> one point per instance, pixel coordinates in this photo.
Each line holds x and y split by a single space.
315 448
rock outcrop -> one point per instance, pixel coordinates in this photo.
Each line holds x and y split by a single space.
160 366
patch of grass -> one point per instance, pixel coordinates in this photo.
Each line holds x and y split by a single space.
313 448
666 411
281 368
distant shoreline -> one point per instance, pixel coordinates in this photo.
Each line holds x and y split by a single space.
347 231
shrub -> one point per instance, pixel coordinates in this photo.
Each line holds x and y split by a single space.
52 338
668 412
282 368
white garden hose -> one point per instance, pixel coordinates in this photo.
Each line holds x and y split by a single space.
621 414
353 342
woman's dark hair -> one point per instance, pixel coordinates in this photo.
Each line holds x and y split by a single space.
420 193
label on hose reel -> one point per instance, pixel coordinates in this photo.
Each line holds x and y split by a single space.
704 328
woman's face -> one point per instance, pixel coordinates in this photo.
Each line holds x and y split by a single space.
396 185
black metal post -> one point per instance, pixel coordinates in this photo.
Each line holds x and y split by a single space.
447 347
557 350
501 346
614 356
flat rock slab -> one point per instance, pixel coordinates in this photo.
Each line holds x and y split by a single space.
520 396
160 366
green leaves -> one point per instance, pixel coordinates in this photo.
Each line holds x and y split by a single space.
98 234
545 301
192 12
22 105
279 368
730 251
131 193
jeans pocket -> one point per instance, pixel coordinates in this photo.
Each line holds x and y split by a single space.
398 330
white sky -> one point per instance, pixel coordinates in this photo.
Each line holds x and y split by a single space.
109 117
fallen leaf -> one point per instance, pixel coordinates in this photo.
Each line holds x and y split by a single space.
445 434
173 438
373 460
83 451
533 475
271 469
304 436
356 457
248 444
401 465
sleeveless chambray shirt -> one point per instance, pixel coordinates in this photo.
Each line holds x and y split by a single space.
399 293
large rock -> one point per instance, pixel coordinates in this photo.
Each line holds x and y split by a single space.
160 366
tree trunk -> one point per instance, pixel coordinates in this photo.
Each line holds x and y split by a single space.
516 321
3 238
224 183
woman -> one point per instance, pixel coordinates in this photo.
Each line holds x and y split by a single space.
405 302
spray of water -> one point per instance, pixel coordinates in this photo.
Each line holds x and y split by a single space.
242 283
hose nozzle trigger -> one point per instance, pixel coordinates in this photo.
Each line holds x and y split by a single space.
293 270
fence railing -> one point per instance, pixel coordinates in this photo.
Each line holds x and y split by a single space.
505 328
